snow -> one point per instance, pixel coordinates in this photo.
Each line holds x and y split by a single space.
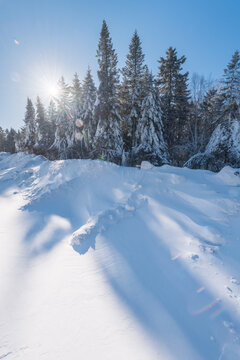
99 261
223 149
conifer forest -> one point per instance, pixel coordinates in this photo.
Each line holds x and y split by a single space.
133 115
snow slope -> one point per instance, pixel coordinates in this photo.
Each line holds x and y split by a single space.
105 262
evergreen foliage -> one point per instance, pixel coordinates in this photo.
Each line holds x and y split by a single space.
140 118
108 139
175 104
132 94
30 134
149 133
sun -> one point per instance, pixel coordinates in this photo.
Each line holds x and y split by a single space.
43 79
50 88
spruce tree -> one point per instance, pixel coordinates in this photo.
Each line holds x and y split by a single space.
210 114
87 115
29 140
64 134
76 110
43 138
2 140
52 119
76 97
10 136
230 89
108 139
175 106
149 133
132 93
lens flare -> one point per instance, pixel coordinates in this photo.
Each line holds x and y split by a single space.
79 123
176 257
200 289
79 136
208 307
16 42
217 312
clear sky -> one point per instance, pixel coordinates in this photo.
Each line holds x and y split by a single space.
42 40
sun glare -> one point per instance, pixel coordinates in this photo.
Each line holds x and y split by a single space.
43 79
51 89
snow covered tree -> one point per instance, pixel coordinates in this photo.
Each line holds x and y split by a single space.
210 113
10 141
43 139
196 122
149 133
223 147
29 140
64 134
76 97
132 93
87 116
76 110
2 139
174 99
230 89
108 139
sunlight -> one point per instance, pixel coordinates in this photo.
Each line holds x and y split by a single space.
50 88
43 79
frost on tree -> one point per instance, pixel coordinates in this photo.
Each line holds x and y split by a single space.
64 134
108 139
224 145
75 115
222 149
132 94
174 104
43 130
29 134
150 144
87 114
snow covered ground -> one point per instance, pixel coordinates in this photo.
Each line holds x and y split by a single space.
105 262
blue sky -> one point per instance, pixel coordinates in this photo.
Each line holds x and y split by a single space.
59 37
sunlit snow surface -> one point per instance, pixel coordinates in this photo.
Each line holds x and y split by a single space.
105 262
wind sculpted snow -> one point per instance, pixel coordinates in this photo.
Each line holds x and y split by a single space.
100 261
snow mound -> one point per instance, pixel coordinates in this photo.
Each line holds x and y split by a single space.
130 261
146 165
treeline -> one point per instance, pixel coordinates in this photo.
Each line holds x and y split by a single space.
132 115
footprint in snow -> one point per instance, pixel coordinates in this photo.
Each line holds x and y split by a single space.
194 257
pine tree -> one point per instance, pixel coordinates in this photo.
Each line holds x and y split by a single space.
76 97
64 134
223 146
210 113
52 120
108 139
149 133
43 136
230 90
76 111
10 136
29 140
174 98
2 140
132 93
87 116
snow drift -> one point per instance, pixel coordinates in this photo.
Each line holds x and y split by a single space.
105 262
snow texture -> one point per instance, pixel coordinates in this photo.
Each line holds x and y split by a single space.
99 261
